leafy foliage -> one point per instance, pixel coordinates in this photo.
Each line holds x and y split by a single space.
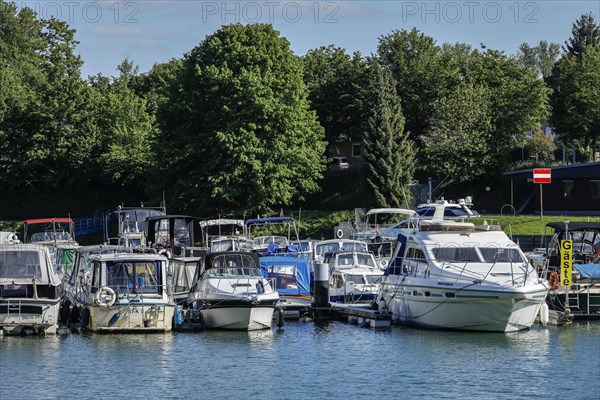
243 135
389 154
540 58
338 91
576 98
585 32
457 142
540 148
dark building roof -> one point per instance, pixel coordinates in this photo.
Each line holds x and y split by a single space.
573 171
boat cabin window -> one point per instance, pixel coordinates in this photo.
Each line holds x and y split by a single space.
326 248
492 255
357 279
351 246
183 275
222 245
134 276
96 276
456 254
374 279
365 259
20 265
415 254
337 281
345 260
284 275
50 236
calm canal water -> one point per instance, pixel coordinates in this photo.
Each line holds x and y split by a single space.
333 361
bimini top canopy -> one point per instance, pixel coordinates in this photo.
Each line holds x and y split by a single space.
221 221
390 211
48 221
269 220
574 226
290 272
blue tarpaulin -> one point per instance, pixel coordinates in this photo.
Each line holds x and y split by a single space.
588 271
268 220
290 272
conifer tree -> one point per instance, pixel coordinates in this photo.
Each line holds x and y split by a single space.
388 151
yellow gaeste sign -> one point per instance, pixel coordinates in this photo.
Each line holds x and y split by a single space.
566 262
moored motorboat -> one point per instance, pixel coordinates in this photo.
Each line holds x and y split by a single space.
126 292
231 293
354 277
29 290
458 275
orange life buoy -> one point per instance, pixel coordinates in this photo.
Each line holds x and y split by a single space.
554 281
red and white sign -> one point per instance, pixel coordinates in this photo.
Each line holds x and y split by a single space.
541 175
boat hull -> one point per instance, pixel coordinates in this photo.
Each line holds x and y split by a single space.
29 316
479 310
250 317
130 318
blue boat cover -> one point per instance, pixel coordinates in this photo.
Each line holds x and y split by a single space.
588 271
285 283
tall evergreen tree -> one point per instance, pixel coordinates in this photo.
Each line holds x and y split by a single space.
585 32
388 151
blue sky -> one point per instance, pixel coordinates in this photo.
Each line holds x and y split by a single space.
154 31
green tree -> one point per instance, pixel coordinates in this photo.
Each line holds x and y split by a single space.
338 87
585 32
540 58
576 99
421 71
239 128
519 101
388 150
457 146
540 148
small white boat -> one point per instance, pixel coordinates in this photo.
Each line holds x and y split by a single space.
231 293
29 290
126 292
328 246
457 275
354 277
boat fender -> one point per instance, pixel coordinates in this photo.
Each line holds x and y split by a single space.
279 317
178 317
544 314
111 294
339 233
554 280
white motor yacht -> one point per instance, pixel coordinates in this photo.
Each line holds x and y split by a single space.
458 275
231 293
354 277
29 290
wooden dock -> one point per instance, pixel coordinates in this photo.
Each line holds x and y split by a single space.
362 315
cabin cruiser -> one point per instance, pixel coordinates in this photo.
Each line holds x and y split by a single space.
58 234
225 234
178 237
126 292
458 275
29 289
354 277
327 246
131 225
231 293
581 300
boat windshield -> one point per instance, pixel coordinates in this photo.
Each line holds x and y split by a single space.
456 254
134 276
222 245
494 254
357 279
278 240
50 236
20 265
365 259
351 246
